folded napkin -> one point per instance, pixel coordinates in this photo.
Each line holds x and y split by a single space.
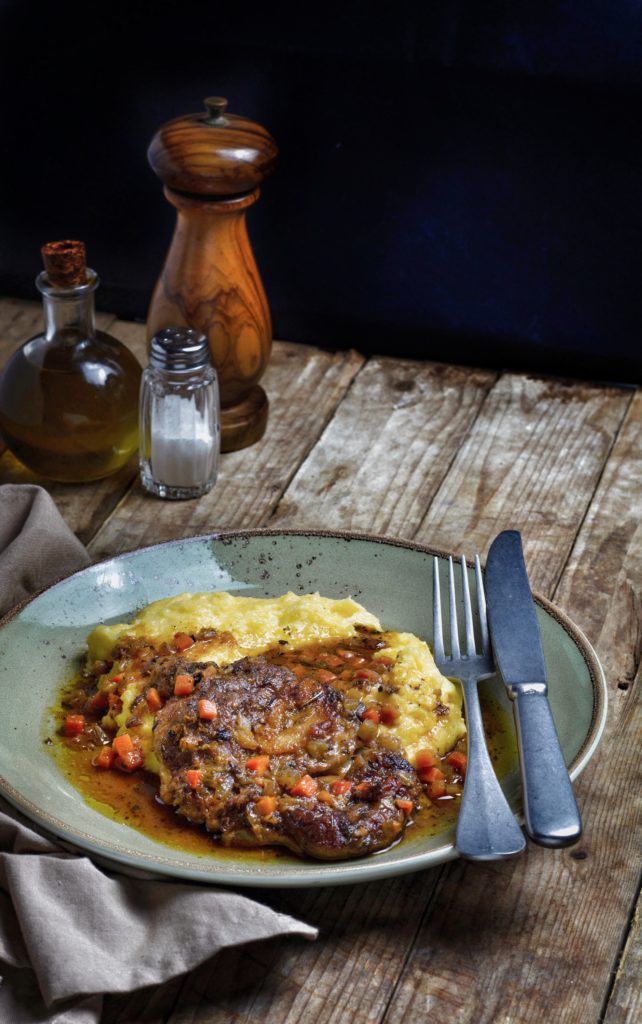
70 931
36 545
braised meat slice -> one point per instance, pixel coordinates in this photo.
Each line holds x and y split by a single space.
261 757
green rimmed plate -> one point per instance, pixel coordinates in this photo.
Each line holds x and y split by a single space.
45 637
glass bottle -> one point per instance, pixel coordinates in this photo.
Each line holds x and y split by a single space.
180 428
69 396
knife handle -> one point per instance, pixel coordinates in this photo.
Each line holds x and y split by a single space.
550 811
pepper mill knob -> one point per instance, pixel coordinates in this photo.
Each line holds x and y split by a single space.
212 164
216 107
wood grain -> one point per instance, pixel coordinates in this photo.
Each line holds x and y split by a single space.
516 942
212 153
387 449
347 975
307 384
625 1001
531 461
602 586
537 939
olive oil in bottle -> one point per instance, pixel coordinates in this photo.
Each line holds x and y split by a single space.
69 396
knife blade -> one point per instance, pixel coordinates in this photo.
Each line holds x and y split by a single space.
550 810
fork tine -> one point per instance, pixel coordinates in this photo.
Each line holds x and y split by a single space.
481 605
454 635
468 611
437 629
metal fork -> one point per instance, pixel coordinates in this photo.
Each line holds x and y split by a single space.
486 827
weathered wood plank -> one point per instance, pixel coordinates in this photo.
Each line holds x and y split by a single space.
602 590
387 449
625 1004
517 942
304 386
601 587
537 939
531 462
347 975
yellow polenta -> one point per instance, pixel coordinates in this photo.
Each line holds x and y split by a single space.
429 704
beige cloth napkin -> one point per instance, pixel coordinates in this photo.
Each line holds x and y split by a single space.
69 931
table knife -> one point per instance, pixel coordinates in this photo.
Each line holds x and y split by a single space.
550 811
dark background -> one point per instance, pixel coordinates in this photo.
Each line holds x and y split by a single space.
458 180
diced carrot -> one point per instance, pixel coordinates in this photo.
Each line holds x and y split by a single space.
131 761
432 775
306 786
457 760
389 714
340 787
437 789
258 764
373 715
367 673
153 698
425 759
118 678
73 725
384 661
266 805
192 777
182 641
115 704
123 744
324 676
97 703
183 684
362 787
325 797
104 758
332 661
404 805
207 710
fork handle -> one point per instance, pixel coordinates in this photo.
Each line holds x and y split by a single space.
550 811
486 827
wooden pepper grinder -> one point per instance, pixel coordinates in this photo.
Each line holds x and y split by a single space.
211 165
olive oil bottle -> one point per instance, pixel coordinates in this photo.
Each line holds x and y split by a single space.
69 396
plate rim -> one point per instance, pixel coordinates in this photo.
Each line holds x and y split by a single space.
344 872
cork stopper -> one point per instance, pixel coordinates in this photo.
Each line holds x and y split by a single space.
65 263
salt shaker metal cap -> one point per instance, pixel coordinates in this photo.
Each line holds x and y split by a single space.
180 349
179 416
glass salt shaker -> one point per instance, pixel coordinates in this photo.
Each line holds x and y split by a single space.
180 430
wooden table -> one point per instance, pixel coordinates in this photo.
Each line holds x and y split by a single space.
447 456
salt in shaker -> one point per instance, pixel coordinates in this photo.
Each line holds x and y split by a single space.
179 416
